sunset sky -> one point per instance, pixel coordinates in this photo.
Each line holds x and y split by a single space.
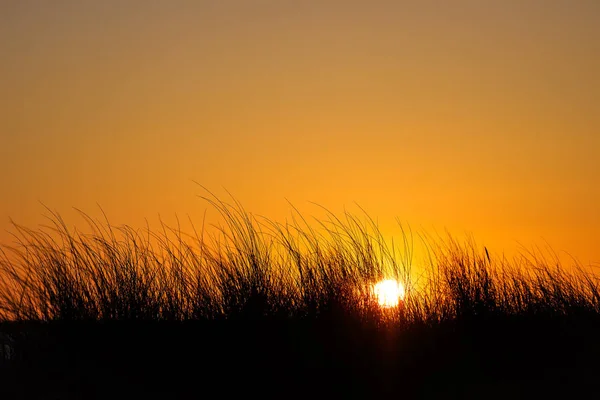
472 116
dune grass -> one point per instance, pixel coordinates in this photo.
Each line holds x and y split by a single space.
255 268
299 292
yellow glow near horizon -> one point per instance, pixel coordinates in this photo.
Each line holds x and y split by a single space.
389 292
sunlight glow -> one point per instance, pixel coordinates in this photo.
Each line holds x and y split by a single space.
389 292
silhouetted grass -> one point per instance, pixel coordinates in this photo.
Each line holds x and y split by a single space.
285 307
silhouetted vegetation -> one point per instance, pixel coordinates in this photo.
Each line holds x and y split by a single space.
286 309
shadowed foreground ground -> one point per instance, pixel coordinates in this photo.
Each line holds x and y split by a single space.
480 359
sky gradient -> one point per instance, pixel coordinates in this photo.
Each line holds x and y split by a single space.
479 117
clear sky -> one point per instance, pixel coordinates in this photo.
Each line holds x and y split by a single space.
471 116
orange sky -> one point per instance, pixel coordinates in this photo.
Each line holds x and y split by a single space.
471 116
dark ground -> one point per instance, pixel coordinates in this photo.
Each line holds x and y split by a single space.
509 358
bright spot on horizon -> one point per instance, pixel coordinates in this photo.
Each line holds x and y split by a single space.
389 292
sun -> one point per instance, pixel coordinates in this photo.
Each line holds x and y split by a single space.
389 292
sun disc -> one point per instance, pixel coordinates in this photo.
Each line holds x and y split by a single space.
388 292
